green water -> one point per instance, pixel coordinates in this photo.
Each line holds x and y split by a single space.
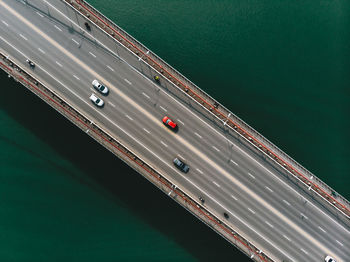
282 66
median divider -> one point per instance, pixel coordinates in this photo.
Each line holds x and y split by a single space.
21 75
220 115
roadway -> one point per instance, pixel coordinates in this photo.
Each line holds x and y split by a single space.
264 207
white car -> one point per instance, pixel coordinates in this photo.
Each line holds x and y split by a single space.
329 259
96 100
101 88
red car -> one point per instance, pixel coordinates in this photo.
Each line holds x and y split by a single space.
170 123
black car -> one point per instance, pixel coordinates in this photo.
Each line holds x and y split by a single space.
181 165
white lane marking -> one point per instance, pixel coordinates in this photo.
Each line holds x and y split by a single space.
251 210
217 149
126 80
181 156
75 41
146 130
39 14
197 134
303 251
23 37
129 117
200 171
216 184
286 238
304 216
58 64
41 51
163 108
146 95
234 162
92 54
111 104
234 197
4 23
251 175
324 231
340 243
163 144
110 68
178 120
56 44
77 78
269 189
151 152
269 224
285 201
58 28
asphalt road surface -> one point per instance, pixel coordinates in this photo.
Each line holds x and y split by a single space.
264 207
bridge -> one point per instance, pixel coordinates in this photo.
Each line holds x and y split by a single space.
239 184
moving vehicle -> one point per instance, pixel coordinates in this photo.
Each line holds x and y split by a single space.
169 123
96 100
87 26
329 259
181 165
99 87
31 64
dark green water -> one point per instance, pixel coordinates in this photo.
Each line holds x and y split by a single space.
282 66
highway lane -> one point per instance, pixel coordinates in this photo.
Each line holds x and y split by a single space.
209 187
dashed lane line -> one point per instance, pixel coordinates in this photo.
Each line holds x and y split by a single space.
92 54
285 201
197 134
217 149
126 80
41 51
163 109
113 105
110 68
58 64
216 184
200 171
252 211
129 117
4 23
75 41
146 130
146 95
77 78
163 144
39 14
251 175
23 37
269 189
58 28
234 162
178 120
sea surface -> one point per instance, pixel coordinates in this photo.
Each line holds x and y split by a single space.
281 65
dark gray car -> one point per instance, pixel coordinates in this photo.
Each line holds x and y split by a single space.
181 165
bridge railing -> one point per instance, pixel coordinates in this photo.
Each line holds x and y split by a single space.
99 134
234 123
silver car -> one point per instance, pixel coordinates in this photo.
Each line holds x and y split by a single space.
101 88
96 100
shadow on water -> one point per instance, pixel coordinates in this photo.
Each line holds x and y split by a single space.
162 214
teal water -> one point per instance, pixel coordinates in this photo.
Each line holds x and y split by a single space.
282 66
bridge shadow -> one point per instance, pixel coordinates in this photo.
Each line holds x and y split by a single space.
71 29
113 176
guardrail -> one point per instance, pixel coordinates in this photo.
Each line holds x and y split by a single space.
300 175
129 157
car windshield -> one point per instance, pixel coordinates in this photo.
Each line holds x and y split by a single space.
168 121
102 87
97 100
